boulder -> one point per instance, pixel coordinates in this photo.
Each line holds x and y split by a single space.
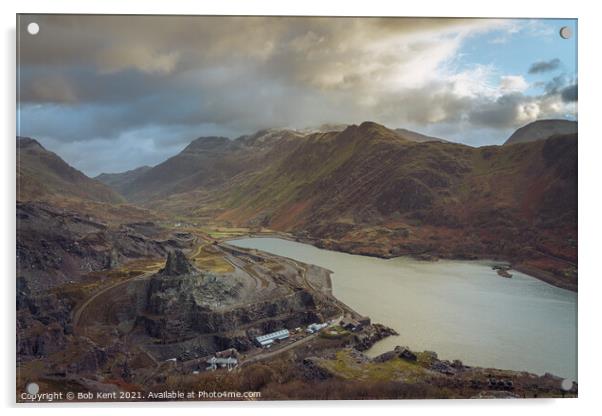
405 353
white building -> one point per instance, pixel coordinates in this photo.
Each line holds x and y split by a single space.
229 363
315 327
268 339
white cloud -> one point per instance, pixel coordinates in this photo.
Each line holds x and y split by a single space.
513 83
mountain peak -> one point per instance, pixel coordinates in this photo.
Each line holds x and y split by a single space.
370 125
373 130
28 142
207 143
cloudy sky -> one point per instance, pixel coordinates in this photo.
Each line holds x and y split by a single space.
111 93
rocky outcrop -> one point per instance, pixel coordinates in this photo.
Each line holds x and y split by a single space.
183 303
177 265
399 352
371 335
43 323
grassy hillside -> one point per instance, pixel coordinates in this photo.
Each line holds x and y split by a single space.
42 174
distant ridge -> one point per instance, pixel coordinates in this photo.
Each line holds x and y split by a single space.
418 137
120 181
542 130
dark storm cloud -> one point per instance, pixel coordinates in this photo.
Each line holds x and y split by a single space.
501 113
544 66
557 83
94 89
563 86
569 94
516 109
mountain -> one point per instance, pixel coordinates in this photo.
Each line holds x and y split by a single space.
368 174
370 190
42 174
417 137
541 130
206 163
121 181
209 162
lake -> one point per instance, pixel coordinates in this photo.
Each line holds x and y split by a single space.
459 309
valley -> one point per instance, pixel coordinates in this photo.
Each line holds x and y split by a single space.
134 281
370 190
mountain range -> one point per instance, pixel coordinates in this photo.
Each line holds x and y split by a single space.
363 189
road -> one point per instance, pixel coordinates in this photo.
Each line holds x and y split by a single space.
272 353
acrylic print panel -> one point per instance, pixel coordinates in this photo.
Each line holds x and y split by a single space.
275 208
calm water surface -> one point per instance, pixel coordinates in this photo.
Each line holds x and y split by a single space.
460 309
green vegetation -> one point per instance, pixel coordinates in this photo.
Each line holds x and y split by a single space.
345 365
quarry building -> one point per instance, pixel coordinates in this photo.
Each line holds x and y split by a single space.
268 339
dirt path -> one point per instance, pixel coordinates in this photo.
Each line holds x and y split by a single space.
79 311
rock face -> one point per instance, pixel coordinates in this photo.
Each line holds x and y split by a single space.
184 304
55 246
177 265
182 307
43 322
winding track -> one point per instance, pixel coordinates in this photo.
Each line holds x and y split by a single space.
79 311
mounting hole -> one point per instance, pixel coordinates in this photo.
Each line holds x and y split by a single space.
33 28
566 384
32 388
565 32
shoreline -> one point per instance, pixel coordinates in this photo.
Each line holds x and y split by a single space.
387 350
534 272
